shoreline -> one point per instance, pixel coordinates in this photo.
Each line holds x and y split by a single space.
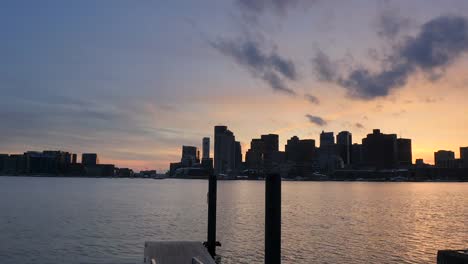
284 179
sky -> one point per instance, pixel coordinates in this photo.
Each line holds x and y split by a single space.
134 80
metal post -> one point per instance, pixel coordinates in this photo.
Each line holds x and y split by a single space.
273 219
212 188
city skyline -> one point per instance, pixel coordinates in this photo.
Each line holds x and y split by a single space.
108 77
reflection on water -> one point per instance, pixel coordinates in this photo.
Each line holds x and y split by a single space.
52 220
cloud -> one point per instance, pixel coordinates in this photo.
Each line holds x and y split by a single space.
390 23
312 99
438 44
325 69
316 120
251 9
270 67
359 125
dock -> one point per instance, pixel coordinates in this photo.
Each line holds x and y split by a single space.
177 252
452 256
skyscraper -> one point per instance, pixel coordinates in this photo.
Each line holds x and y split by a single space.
344 141
464 156
89 159
327 139
405 157
380 151
444 159
206 148
224 150
189 156
270 149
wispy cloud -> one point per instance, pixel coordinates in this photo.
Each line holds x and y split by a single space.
312 99
316 120
271 67
438 44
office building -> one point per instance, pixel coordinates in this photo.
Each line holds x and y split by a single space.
3 162
344 141
405 157
327 139
270 150
297 150
444 159
356 155
89 159
189 156
380 151
224 150
254 156
206 148
238 154
464 156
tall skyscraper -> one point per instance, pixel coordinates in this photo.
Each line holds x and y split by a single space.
238 155
206 148
405 156
344 141
380 151
464 156
327 139
270 149
224 150
254 156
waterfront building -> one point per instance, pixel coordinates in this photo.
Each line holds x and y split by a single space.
444 159
464 156
327 139
89 159
356 155
344 142
405 157
224 150
254 156
238 155
189 156
206 148
3 162
380 151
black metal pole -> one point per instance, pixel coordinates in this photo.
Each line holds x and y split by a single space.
273 219
212 188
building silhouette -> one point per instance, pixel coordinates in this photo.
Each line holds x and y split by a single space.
464 156
405 157
89 159
444 159
189 156
206 148
327 139
380 151
224 150
301 156
254 156
344 142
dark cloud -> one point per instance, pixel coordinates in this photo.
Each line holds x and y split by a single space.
325 69
312 99
438 44
316 120
390 23
270 67
253 8
359 125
